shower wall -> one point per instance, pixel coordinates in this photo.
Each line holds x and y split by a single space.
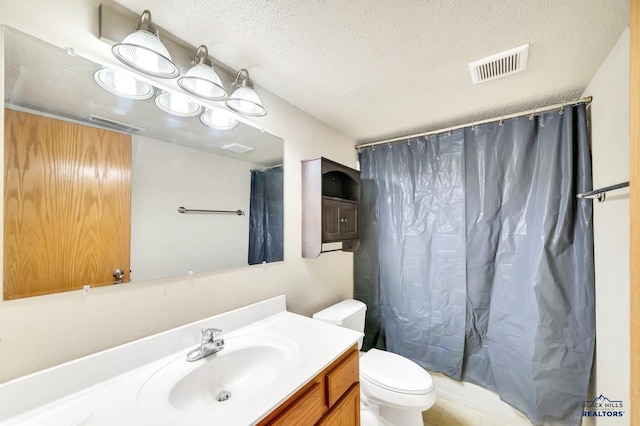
610 162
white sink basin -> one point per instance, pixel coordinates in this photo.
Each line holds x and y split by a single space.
246 365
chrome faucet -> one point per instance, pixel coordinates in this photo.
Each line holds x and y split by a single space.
209 345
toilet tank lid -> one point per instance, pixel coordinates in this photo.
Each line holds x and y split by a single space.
340 312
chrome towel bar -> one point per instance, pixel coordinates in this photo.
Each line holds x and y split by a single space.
185 211
601 194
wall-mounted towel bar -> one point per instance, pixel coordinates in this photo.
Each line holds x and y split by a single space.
236 212
601 194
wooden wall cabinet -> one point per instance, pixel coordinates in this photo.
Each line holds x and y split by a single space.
330 206
332 398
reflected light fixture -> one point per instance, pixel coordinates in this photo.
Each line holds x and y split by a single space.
143 51
244 99
122 84
177 104
218 119
201 80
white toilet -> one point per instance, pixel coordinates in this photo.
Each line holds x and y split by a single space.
393 389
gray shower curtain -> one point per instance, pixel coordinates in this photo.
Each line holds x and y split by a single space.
266 218
476 258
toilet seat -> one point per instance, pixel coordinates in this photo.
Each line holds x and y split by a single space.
394 373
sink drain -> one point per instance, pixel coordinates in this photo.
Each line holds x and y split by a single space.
223 396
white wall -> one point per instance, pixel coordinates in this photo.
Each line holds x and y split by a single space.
610 152
39 332
165 243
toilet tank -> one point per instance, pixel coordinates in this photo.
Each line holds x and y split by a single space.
349 313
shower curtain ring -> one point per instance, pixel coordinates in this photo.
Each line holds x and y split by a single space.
500 123
562 109
389 145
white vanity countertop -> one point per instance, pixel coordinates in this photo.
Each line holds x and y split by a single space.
103 388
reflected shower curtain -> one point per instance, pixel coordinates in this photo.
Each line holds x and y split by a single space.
476 258
266 220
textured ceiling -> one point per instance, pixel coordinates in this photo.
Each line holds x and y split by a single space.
374 69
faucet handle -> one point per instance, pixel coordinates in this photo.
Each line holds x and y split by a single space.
208 334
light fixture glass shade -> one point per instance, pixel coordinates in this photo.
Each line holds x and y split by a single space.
201 80
143 51
122 84
218 119
245 100
177 104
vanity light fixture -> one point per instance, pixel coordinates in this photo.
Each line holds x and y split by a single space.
177 104
143 51
244 99
122 84
218 119
201 80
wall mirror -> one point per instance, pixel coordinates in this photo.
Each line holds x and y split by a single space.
59 226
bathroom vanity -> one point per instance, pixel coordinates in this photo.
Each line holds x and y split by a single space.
332 397
276 368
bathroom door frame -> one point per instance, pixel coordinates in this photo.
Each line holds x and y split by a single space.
634 208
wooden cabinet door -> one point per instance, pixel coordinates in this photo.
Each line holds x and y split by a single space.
349 221
331 216
346 412
340 220
67 202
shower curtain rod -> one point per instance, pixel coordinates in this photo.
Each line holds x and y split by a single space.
262 169
531 113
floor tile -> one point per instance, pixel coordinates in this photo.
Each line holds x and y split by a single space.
447 413
486 421
433 414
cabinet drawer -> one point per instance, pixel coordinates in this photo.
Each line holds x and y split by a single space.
341 378
306 410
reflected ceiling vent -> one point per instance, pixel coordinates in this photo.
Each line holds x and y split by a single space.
117 126
236 147
500 65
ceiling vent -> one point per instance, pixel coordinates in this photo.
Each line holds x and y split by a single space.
500 65
109 124
239 148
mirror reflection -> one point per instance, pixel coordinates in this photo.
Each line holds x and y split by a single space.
67 139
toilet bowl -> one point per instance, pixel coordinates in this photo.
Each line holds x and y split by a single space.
400 387
394 390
